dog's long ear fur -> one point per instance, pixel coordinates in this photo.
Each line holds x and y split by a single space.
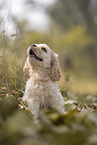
26 69
55 73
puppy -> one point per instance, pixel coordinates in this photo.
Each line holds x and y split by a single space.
43 71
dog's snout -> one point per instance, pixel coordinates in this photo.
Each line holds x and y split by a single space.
34 45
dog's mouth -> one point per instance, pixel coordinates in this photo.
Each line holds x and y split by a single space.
32 54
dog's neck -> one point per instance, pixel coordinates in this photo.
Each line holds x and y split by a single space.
40 73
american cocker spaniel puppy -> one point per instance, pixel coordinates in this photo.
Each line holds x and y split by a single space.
43 71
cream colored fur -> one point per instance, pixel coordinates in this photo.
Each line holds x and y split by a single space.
41 87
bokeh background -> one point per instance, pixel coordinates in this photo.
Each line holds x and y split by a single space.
68 27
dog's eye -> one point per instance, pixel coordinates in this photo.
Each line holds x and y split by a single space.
44 49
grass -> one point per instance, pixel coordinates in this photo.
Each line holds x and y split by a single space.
81 84
77 127
84 86
17 127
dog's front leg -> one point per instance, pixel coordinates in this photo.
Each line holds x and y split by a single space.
34 105
57 103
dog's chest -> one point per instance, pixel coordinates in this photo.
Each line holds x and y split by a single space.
42 93
39 91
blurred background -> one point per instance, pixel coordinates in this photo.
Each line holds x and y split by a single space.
68 27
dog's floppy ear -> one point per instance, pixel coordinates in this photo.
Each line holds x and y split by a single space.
55 73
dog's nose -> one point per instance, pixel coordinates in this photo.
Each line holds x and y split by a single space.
34 45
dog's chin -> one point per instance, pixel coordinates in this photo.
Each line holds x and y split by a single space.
33 61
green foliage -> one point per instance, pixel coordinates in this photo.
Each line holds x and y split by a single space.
77 38
78 126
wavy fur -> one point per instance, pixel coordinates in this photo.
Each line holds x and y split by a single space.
42 88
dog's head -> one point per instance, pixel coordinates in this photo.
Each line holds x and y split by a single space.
42 56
